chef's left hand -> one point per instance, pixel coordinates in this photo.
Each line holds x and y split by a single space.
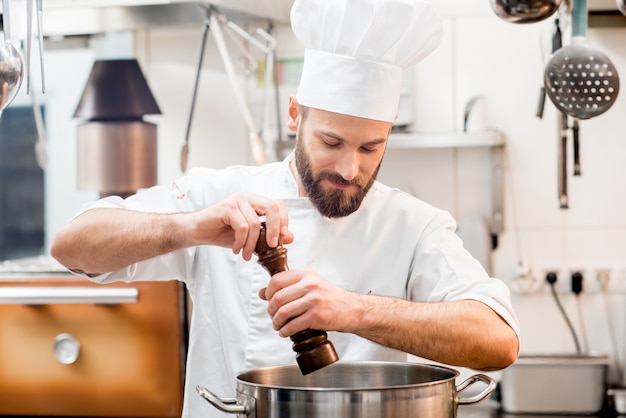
302 299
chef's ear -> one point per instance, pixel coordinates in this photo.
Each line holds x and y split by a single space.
293 114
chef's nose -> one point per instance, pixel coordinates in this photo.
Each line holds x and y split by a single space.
348 165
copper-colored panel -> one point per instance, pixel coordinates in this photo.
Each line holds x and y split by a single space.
117 156
130 361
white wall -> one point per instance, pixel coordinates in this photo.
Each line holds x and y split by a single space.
483 55
480 55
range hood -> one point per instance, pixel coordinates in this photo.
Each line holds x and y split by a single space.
277 10
117 149
85 17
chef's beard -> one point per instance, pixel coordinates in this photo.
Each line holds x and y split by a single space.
334 203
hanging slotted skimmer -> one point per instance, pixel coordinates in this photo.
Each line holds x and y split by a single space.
580 80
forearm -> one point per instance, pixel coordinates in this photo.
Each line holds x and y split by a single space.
104 240
465 333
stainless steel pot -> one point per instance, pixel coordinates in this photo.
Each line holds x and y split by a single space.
356 390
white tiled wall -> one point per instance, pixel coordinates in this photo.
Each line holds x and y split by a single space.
483 55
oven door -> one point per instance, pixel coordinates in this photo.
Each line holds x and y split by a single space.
69 347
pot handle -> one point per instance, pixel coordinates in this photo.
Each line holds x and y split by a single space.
491 386
228 405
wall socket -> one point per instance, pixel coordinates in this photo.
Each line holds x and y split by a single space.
595 279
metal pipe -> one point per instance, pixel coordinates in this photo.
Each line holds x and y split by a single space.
255 141
46 295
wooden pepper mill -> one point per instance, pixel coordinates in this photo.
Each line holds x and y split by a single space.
313 348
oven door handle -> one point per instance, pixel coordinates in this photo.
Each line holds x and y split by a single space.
34 295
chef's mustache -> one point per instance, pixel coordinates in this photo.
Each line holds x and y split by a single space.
337 178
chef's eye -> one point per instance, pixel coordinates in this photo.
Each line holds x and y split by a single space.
368 150
332 144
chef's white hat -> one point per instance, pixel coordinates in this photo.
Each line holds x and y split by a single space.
356 51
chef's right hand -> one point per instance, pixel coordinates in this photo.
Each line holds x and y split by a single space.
235 223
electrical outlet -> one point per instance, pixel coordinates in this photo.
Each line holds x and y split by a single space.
617 281
560 285
524 280
532 280
601 278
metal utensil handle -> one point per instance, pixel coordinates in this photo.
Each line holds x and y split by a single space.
29 32
228 405
26 295
39 4
491 386
185 151
579 18
562 162
6 21
576 139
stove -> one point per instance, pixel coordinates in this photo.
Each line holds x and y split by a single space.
71 347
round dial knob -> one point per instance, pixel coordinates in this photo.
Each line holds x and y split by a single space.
66 348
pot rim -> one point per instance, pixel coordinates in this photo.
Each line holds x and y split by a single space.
454 374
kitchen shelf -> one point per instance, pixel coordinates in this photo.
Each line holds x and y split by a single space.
493 140
446 140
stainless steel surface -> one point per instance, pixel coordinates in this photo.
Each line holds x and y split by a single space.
491 409
617 396
11 65
184 154
580 80
576 143
117 157
218 24
29 37
31 265
359 389
83 17
555 384
66 348
40 295
497 191
277 10
525 11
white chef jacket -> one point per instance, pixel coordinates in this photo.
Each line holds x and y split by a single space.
393 245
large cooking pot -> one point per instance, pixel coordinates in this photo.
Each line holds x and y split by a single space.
355 390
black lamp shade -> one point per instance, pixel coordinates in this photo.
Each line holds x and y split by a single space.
116 90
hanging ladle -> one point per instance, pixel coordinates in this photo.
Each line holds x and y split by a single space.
580 80
11 64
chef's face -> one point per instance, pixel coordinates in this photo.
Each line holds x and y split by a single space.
337 157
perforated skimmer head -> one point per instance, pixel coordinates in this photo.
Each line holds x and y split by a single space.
581 81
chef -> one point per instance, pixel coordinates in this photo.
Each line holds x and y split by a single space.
381 271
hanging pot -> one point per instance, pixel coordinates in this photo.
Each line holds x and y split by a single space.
344 389
525 11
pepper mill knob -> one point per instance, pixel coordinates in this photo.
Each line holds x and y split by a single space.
313 348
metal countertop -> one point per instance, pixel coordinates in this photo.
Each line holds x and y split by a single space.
490 408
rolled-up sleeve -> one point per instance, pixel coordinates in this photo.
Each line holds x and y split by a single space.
445 271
